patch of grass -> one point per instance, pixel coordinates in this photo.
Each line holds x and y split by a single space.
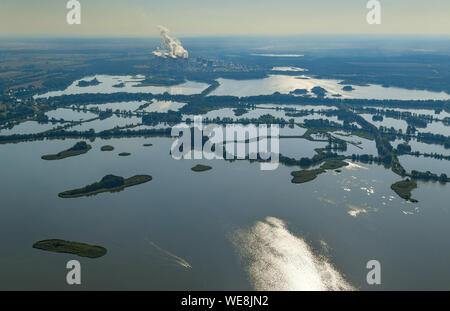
76 248
124 154
363 135
201 168
107 148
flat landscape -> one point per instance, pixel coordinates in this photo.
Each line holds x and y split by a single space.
363 164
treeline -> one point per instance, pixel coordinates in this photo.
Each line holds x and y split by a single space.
91 134
434 139
171 117
320 157
276 98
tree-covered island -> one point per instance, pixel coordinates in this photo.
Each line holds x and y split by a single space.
78 149
109 183
76 248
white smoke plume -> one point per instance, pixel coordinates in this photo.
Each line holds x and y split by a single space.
173 47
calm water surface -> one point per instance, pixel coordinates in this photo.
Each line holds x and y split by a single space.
337 222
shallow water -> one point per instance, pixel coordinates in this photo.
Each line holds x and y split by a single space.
423 147
357 145
424 164
28 127
298 148
437 128
70 115
387 122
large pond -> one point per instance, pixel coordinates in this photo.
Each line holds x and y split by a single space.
27 127
423 147
267 86
424 164
286 84
236 226
131 84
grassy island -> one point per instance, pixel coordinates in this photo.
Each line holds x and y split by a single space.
403 189
148 145
107 148
304 176
124 154
201 168
109 183
78 149
80 249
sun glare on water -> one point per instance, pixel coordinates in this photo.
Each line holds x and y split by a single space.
277 260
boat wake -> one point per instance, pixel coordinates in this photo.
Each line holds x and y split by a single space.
171 257
277 260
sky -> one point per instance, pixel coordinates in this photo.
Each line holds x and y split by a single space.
139 18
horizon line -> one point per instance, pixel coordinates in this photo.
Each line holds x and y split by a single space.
368 35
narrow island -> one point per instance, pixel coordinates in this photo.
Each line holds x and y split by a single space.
403 189
78 149
148 145
334 164
107 148
304 176
124 154
201 168
109 183
79 249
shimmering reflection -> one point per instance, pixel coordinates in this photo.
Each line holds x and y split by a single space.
277 260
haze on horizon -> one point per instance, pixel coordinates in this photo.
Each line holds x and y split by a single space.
213 17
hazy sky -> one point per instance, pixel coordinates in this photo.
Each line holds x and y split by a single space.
222 17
